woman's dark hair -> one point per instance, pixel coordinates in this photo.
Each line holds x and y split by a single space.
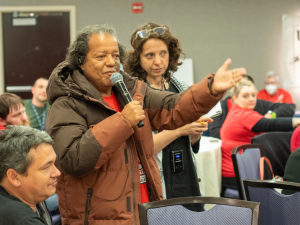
132 61
80 47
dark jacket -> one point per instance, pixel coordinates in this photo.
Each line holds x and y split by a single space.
98 150
14 212
181 183
292 168
262 107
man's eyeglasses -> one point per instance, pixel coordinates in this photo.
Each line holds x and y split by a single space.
146 33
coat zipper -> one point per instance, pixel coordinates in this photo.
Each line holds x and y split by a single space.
132 176
88 206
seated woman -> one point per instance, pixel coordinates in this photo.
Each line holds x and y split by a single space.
242 124
295 140
266 108
154 58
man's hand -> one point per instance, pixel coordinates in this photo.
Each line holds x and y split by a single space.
225 79
134 113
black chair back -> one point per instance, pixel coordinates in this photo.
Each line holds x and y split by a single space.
276 147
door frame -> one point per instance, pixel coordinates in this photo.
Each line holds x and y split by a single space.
61 8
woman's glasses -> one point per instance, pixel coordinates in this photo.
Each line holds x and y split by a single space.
146 33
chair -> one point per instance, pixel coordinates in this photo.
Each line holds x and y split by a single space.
56 219
275 208
276 147
171 211
246 165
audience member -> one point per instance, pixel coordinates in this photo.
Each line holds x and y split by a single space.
291 172
242 124
153 60
272 93
38 107
97 140
28 175
12 111
266 108
295 140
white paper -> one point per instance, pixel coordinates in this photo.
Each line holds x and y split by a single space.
215 111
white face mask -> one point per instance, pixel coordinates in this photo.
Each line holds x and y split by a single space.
271 89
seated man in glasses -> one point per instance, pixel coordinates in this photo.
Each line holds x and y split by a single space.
266 108
106 160
28 175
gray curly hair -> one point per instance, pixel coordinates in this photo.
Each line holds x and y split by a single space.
80 47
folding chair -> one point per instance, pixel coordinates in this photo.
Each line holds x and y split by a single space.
246 165
171 211
275 208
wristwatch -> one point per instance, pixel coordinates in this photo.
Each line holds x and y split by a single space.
272 113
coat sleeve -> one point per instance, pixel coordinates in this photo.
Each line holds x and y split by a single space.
168 111
80 149
291 172
282 109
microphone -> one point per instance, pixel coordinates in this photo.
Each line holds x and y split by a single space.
117 80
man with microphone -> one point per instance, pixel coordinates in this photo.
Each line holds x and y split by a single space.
106 160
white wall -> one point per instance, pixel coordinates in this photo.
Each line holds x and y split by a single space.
249 32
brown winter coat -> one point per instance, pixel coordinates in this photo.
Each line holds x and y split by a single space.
97 149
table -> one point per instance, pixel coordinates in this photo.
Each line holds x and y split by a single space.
208 161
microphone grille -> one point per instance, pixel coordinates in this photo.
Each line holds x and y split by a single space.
115 77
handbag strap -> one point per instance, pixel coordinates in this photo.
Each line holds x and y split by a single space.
262 167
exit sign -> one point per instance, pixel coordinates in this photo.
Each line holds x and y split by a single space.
137 7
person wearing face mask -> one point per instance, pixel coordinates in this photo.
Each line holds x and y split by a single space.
268 109
272 93
242 124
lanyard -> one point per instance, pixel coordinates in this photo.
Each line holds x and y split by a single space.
41 123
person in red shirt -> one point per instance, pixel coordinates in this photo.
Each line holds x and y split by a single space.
12 111
295 140
272 93
242 124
